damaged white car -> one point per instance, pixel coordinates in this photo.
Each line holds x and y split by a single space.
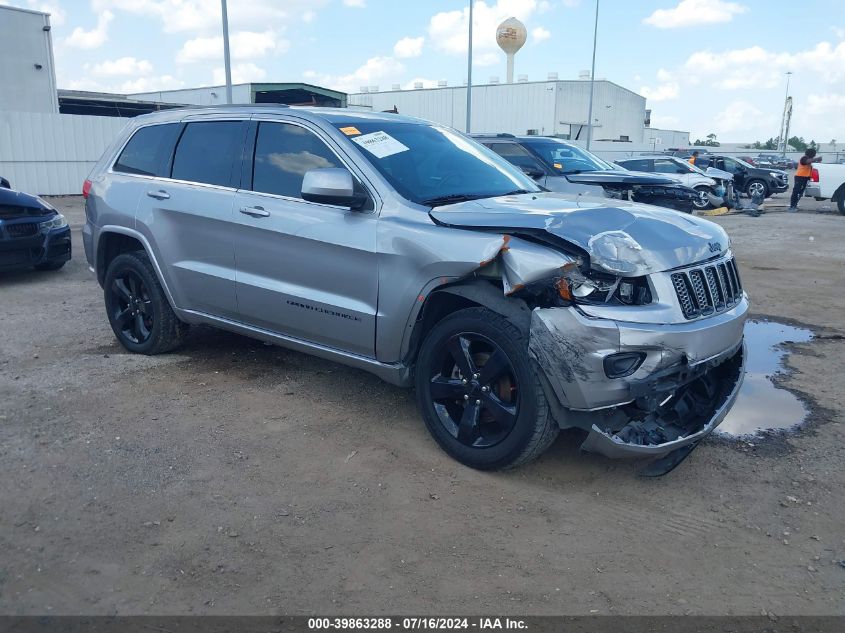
411 251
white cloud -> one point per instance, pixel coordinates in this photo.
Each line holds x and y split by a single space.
755 67
151 84
839 32
380 71
309 16
241 74
203 16
355 4
96 37
571 4
448 30
663 92
741 117
540 34
242 44
121 67
695 13
408 47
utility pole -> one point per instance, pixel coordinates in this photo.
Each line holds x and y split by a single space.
226 60
783 124
592 80
469 69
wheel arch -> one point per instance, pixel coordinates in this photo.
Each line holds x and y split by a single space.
115 240
445 300
839 194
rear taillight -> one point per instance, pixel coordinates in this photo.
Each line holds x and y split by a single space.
86 188
815 176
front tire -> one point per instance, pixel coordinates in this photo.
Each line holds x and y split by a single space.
702 202
757 188
137 308
479 395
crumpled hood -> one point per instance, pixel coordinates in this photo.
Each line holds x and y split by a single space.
623 238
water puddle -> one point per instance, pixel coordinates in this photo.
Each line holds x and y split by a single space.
761 406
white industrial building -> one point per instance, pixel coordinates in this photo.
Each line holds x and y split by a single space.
27 73
547 108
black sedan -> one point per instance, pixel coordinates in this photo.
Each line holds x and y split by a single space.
32 233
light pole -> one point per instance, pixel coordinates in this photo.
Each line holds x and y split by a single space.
592 80
226 61
469 68
783 117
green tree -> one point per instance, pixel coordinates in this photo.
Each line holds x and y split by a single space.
798 143
711 140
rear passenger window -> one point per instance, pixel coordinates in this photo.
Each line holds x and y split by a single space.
283 153
207 152
148 150
637 165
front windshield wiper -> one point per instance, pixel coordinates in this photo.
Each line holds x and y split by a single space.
464 197
451 198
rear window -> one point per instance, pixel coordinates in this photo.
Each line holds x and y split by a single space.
207 152
148 150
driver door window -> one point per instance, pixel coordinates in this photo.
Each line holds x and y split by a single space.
668 167
283 153
517 155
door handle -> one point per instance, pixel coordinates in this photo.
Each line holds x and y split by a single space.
255 212
161 194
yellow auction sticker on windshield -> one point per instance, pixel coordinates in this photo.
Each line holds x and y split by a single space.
380 144
350 131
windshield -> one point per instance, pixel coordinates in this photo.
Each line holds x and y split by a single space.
565 158
432 165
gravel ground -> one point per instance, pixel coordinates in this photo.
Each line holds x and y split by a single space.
235 477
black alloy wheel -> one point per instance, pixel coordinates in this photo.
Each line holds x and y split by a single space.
137 307
131 307
475 391
478 392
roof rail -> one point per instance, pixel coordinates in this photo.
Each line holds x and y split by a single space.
236 105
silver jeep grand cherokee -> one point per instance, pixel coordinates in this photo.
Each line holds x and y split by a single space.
409 250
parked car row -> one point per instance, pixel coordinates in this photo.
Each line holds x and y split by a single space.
412 251
566 168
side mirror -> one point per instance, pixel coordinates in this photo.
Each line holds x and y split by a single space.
332 185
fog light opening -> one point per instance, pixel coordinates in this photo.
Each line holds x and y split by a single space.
623 364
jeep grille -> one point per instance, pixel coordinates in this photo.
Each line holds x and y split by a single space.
706 290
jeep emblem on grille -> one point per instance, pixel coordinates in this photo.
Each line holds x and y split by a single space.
715 247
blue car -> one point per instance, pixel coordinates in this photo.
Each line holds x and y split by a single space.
32 233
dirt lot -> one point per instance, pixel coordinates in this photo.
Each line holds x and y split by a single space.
235 477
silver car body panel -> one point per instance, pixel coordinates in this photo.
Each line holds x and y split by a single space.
350 286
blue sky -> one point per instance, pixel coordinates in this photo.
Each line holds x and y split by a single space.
704 65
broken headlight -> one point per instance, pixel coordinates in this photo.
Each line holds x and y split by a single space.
596 287
591 287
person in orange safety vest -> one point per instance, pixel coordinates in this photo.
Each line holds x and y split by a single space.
802 176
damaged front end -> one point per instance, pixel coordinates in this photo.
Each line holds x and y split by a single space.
636 339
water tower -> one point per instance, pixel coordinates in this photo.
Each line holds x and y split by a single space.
510 36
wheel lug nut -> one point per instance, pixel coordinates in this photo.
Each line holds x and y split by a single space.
466 397
485 389
475 376
464 381
478 402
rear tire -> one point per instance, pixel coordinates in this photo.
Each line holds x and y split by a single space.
492 414
137 308
840 204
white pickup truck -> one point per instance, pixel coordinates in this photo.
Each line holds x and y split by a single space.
828 182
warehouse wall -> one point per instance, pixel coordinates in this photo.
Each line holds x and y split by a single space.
23 44
52 154
549 107
198 96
